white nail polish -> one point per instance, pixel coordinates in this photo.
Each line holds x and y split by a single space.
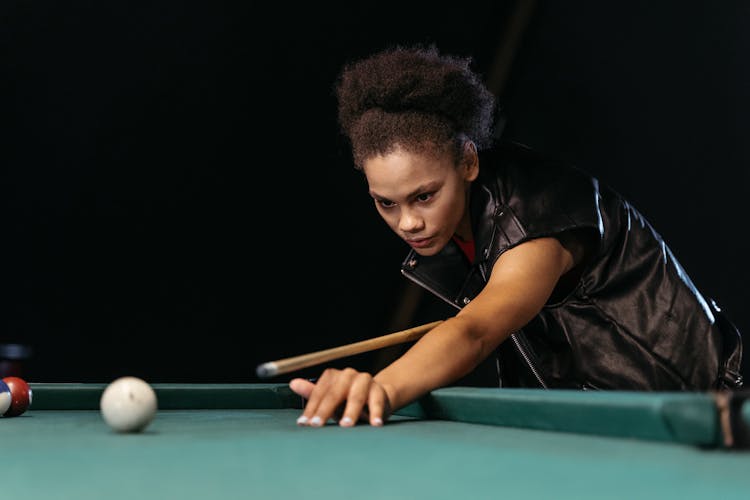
316 421
302 420
377 421
346 421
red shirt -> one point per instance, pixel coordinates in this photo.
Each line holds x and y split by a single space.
466 246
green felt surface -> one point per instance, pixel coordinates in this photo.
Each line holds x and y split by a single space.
241 441
200 454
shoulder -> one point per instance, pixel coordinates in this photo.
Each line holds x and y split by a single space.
534 196
522 170
539 189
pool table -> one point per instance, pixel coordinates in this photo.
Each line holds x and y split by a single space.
226 441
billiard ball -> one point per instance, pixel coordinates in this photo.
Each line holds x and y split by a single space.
20 396
128 404
4 397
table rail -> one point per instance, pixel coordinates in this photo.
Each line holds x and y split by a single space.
701 419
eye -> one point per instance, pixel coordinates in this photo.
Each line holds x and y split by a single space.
384 203
424 197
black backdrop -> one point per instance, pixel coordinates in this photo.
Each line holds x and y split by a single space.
179 205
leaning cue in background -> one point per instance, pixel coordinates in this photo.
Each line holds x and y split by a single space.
286 365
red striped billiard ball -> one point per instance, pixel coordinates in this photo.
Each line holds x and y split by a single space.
20 396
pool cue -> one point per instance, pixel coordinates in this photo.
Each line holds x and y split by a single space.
272 368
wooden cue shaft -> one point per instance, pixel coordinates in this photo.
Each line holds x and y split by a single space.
286 365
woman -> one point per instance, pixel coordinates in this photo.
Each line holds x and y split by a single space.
551 271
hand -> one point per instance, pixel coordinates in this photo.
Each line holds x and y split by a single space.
357 392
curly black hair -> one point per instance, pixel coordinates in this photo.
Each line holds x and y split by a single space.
415 98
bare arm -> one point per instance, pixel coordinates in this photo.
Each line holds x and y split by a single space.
522 280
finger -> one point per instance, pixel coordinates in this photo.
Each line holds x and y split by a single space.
302 387
336 393
355 402
314 394
378 405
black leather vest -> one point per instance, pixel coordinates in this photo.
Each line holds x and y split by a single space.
634 320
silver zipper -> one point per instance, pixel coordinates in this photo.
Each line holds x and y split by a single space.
526 358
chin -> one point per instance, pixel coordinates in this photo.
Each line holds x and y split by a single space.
428 251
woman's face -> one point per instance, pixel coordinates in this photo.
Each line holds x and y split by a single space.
423 198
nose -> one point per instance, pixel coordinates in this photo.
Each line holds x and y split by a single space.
410 222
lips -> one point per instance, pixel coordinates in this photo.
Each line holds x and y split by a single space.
420 243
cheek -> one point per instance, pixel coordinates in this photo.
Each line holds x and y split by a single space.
450 214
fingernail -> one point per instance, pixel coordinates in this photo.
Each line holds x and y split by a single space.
302 420
346 422
316 421
377 421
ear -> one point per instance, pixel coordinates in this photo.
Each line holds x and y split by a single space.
470 161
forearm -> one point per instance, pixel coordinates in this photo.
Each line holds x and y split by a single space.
442 356
521 282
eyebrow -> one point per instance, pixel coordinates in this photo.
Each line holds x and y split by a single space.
430 186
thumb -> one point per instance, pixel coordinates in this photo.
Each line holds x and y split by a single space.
302 387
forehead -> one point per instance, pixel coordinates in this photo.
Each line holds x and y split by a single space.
401 172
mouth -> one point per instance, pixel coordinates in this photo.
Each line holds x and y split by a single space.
420 242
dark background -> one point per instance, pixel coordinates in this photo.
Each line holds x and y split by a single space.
178 203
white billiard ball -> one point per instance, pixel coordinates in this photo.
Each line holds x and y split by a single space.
128 404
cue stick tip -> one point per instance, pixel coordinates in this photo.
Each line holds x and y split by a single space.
266 370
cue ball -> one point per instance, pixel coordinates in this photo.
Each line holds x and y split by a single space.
128 404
